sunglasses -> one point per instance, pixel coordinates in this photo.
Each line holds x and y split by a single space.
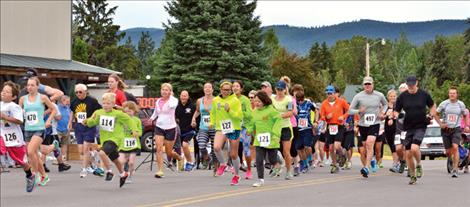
252 97
329 93
367 84
79 92
226 89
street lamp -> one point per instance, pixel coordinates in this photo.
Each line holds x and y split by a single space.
382 42
147 94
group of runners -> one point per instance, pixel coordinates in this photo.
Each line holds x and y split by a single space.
282 131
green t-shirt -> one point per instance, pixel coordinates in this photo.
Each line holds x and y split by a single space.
111 125
246 109
130 143
282 106
225 121
265 126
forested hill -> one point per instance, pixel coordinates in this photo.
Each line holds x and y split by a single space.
299 39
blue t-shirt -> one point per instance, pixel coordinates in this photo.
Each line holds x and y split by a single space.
62 125
303 114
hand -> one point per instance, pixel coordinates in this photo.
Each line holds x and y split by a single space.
389 113
443 126
340 118
48 124
69 127
193 123
362 109
227 107
314 125
135 134
390 122
210 126
84 122
467 129
328 116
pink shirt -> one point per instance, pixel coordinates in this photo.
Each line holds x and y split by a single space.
293 120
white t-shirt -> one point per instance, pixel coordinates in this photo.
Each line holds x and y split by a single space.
11 132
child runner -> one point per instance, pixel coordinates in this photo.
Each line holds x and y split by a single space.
130 145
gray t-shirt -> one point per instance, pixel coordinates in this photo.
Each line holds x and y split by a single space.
374 103
451 112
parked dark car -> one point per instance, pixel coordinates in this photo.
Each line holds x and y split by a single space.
147 133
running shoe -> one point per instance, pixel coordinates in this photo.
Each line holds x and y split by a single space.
289 175
205 164
373 166
296 171
327 162
189 167
419 171
109 176
122 179
321 164
365 172
231 169
45 168
455 174
413 180
402 166
248 175
235 180
83 173
258 183
180 164
276 172
465 170
170 166
98 172
395 168
381 165
129 180
64 167
334 169
348 165
221 170
44 180
159 174
90 169
341 159
30 183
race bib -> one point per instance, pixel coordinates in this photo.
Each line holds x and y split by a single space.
303 123
333 129
130 142
107 123
397 139
11 137
403 135
226 126
206 119
81 116
31 117
452 119
369 119
264 139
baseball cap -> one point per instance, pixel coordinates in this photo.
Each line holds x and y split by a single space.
330 89
281 85
266 84
368 80
411 80
31 72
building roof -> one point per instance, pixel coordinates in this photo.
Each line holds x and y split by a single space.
51 64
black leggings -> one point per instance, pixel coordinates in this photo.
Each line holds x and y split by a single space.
260 155
390 138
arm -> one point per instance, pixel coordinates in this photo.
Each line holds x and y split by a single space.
93 120
322 112
398 107
16 118
126 120
213 114
69 125
346 111
51 106
155 113
53 92
196 114
353 107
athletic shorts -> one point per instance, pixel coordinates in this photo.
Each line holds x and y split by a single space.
414 136
348 140
372 130
286 134
49 139
451 136
305 139
380 138
322 137
29 134
233 135
64 138
85 134
187 136
338 137
168 134
17 154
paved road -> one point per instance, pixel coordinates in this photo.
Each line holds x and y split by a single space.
199 188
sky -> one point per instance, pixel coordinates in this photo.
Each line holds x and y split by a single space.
307 13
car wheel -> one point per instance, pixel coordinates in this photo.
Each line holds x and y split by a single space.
423 157
146 142
431 157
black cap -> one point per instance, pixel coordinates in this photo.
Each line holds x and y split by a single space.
31 72
411 80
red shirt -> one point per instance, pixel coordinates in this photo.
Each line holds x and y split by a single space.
120 97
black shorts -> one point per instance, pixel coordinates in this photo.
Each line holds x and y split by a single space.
414 136
305 139
348 140
338 137
380 138
451 136
168 134
187 136
286 134
49 139
322 137
372 130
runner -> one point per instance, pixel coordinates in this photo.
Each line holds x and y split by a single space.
63 130
265 125
184 114
112 123
251 96
130 145
391 128
414 102
226 117
267 88
82 108
245 139
334 111
33 105
51 140
451 111
305 142
349 133
283 103
165 127
116 85
11 117
205 135
369 105
400 134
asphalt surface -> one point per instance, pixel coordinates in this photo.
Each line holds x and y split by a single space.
200 188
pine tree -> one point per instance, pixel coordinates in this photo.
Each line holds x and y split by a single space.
211 41
315 56
145 49
440 61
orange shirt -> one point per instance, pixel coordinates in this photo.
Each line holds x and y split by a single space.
339 109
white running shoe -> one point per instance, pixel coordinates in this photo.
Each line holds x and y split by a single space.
83 173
